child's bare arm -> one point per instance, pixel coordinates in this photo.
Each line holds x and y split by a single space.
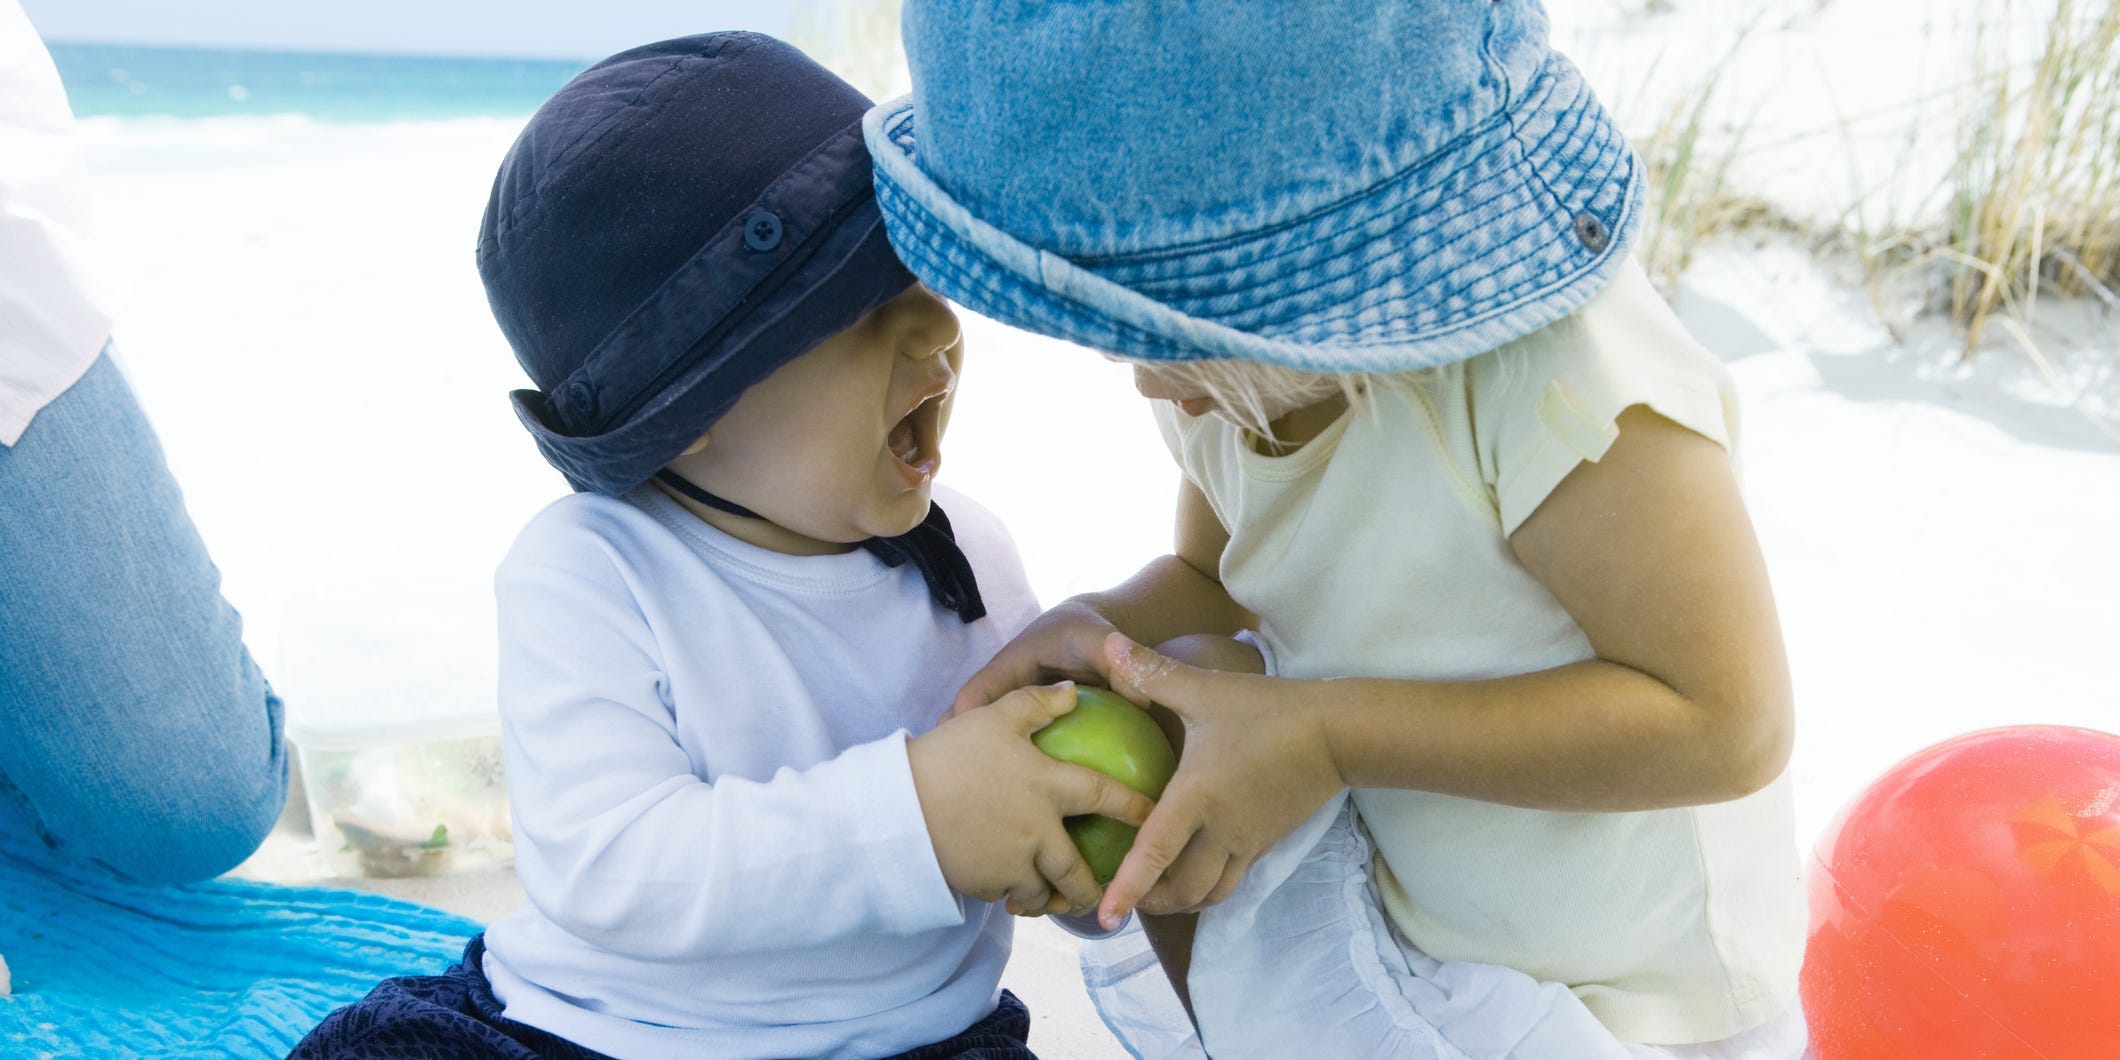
1650 551
1172 596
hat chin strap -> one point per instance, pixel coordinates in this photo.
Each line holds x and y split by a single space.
685 486
931 547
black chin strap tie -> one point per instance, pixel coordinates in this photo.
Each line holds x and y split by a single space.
931 547
684 485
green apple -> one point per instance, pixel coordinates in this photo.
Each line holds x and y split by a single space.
1112 736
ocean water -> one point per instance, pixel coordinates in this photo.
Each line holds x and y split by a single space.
132 81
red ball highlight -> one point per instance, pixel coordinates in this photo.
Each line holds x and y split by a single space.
1967 904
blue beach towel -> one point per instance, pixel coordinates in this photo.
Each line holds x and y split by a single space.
224 968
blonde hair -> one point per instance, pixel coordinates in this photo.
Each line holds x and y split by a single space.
1253 393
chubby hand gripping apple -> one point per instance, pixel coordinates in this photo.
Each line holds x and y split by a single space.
1112 736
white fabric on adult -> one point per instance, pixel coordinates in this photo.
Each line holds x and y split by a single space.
53 321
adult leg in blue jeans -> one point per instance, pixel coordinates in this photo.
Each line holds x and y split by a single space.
139 733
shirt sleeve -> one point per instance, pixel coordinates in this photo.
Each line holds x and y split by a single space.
53 320
622 844
1552 400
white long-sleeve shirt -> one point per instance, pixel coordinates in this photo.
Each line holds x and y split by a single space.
715 819
52 321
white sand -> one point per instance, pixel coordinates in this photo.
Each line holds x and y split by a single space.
306 329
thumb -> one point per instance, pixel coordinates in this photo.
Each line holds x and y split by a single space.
1033 708
1145 675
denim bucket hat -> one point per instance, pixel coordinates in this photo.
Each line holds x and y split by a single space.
673 225
1338 185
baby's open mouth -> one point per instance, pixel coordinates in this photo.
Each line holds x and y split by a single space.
917 439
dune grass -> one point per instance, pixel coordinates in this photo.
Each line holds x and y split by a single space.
2035 191
1688 153
2030 202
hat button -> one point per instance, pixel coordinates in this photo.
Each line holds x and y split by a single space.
578 402
761 231
1592 232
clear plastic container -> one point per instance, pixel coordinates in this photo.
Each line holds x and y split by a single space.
392 713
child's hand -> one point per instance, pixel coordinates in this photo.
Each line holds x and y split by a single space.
1256 764
1067 641
994 804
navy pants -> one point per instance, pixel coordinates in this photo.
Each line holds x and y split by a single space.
455 1015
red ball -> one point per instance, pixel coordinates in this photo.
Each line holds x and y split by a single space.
1968 904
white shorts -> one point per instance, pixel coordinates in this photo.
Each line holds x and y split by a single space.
1302 961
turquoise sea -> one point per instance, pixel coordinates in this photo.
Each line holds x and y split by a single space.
118 80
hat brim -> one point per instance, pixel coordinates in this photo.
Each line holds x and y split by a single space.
1509 228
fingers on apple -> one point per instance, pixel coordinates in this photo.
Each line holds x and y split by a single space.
1028 897
1083 790
1163 837
1033 708
1063 866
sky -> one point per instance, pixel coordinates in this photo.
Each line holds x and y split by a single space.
559 29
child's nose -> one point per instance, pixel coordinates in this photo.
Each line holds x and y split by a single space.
930 327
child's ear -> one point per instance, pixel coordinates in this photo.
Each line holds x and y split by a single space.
695 446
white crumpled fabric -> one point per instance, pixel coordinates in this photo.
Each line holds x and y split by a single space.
1301 961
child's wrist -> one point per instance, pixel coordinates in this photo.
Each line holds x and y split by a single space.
1325 725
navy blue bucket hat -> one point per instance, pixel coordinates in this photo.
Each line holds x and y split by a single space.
1337 185
672 226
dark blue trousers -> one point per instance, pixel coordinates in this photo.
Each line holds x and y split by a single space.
454 1015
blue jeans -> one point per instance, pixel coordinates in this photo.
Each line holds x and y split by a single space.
135 731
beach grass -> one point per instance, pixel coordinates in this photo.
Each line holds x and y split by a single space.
2035 191
1689 154
2030 201
2027 203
